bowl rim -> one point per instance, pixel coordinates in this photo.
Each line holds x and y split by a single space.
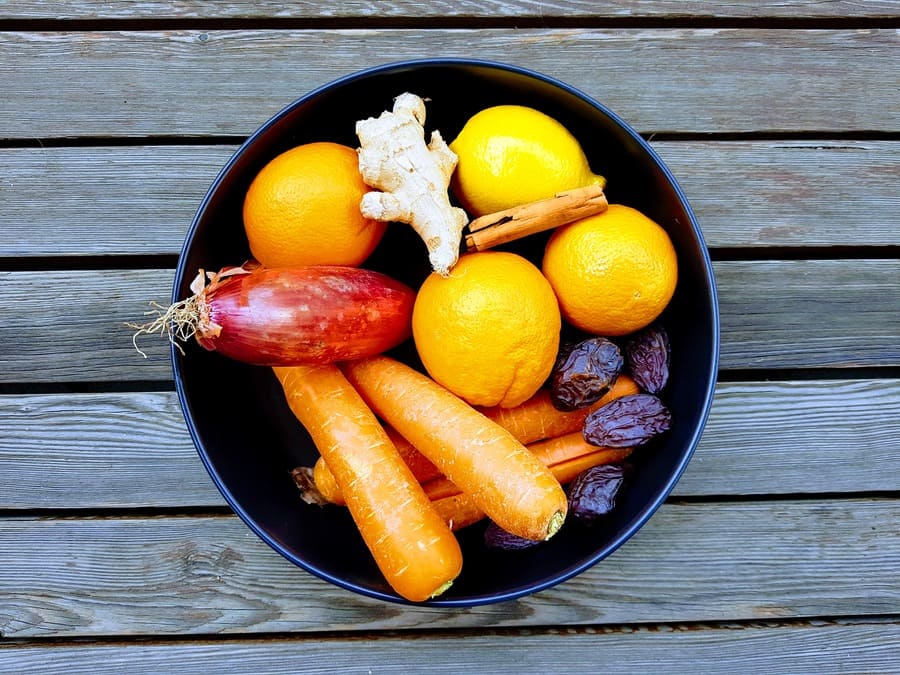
648 509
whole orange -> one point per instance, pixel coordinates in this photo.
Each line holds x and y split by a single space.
488 332
613 273
302 208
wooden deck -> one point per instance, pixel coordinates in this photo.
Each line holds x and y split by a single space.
779 549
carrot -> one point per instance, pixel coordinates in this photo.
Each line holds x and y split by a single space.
564 449
413 547
421 468
568 470
326 484
503 478
557 453
537 419
566 456
459 510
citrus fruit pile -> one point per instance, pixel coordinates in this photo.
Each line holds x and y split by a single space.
490 330
482 332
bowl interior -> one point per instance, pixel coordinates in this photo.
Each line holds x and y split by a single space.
248 438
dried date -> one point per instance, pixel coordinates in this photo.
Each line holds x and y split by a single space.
584 373
647 355
593 493
627 422
495 537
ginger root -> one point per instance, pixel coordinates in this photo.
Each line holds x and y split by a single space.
413 178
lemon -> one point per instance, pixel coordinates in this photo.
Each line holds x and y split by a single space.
511 155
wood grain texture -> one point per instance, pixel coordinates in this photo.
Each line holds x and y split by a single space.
412 9
141 200
790 193
65 326
214 83
798 437
179 576
72 201
105 450
809 313
820 648
62 326
132 450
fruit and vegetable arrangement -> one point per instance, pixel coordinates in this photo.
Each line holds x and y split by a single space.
509 421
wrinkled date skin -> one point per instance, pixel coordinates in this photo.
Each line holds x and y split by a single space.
498 539
647 355
593 493
627 422
583 374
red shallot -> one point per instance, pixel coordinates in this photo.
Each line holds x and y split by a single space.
290 316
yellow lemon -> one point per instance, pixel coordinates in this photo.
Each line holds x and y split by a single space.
488 332
511 155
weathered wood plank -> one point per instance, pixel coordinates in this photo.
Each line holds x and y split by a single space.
711 80
812 436
809 313
73 201
412 9
70 325
140 200
717 561
790 193
107 450
63 326
132 450
815 649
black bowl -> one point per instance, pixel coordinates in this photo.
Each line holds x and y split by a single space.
249 440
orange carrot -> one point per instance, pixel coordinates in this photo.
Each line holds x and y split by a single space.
556 453
459 510
421 468
537 419
563 449
568 470
503 478
566 456
326 483
413 547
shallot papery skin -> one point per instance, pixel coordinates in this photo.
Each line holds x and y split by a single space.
305 315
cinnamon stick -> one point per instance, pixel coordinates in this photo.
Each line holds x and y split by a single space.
504 226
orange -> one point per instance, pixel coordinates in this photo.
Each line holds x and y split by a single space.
613 273
488 332
303 209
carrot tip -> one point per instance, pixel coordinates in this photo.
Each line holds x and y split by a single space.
306 483
441 589
556 522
